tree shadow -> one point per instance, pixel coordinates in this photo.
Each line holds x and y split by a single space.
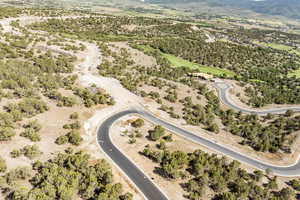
161 172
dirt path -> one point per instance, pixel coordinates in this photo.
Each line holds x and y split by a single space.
87 73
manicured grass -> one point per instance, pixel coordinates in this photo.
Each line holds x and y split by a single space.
295 73
280 47
146 48
256 81
179 62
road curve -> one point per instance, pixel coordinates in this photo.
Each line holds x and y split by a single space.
138 177
146 186
224 96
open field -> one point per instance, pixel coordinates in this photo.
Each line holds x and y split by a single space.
280 47
179 62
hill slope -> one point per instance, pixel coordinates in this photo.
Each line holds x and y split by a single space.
287 8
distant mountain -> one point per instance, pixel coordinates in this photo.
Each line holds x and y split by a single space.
287 8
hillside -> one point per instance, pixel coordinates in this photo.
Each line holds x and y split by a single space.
242 8
127 100
287 8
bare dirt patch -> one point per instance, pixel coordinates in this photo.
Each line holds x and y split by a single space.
137 56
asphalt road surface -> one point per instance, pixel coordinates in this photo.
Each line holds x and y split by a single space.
147 187
224 96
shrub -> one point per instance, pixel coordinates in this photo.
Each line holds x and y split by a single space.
20 173
34 125
213 128
31 134
75 125
156 133
168 138
74 137
6 133
15 153
62 140
138 123
138 134
74 115
295 184
132 141
162 145
72 176
29 107
31 152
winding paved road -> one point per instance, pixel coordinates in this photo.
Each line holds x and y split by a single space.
146 186
224 96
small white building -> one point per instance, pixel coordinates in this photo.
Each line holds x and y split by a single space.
201 75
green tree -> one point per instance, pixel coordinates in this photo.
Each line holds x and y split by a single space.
228 196
258 175
156 133
63 139
295 184
74 115
6 133
286 194
213 128
127 196
74 137
31 152
138 123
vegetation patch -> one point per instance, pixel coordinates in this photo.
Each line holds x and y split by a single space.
282 47
205 174
295 73
66 176
179 62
